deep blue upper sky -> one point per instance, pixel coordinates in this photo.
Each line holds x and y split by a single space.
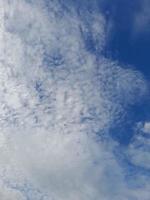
122 45
129 49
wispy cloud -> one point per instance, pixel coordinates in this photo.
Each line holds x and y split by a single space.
57 101
141 20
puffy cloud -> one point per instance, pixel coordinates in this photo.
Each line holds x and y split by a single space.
146 127
139 151
140 146
57 101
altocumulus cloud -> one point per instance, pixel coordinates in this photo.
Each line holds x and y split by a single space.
58 103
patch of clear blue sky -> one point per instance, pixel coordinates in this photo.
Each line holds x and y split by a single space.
121 45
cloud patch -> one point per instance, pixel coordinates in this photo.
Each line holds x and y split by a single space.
146 127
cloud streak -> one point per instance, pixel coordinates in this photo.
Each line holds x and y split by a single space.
142 19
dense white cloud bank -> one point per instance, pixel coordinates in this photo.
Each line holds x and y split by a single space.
57 101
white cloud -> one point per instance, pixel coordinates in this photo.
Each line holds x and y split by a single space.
139 148
146 127
55 98
8 193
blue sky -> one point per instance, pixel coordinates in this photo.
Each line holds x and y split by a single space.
74 106
127 44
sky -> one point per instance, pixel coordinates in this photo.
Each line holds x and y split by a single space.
74 100
130 39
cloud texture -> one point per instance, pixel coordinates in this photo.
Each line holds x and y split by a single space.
58 103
